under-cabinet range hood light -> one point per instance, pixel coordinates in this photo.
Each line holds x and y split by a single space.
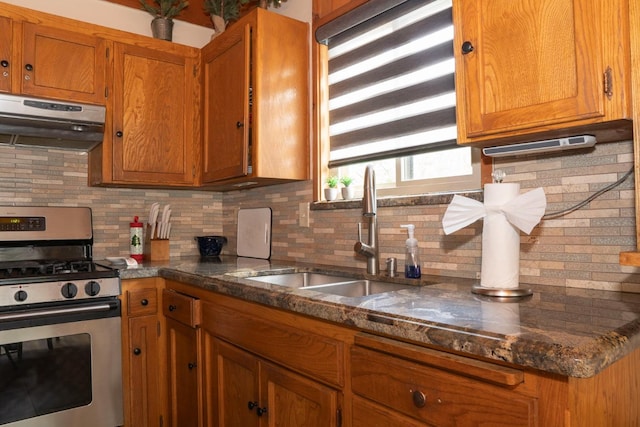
537 147
50 124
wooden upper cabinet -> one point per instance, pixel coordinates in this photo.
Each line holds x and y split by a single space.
226 105
327 10
540 66
256 102
154 100
62 64
6 61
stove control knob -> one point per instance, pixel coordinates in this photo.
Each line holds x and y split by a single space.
92 288
69 290
20 296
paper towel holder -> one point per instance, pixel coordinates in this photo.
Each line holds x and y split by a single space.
500 292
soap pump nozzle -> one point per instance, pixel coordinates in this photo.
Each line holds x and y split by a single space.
410 229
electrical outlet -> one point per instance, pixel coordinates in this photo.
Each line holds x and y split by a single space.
303 214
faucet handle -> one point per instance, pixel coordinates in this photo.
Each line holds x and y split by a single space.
360 232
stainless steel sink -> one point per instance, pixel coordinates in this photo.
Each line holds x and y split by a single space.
331 284
360 288
300 280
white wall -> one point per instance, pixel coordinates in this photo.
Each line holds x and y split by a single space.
101 12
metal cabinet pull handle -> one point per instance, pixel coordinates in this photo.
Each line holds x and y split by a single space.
28 67
4 63
419 399
144 302
261 411
137 351
252 405
239 125
191 365
119 134
172 307
467 47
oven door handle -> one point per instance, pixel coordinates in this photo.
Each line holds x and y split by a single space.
32 314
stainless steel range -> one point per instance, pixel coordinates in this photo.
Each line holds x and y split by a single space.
60 346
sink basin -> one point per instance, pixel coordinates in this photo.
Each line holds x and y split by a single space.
300 280
331 284
360 288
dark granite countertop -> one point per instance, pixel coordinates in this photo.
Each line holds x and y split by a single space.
568 331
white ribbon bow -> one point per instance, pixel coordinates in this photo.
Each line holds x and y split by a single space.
524 211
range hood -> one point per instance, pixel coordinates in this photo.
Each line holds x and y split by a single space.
50 124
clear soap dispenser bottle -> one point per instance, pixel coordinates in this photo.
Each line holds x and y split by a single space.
412 258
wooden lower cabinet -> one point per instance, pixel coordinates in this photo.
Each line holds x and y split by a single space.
261 368
183 364
257 366
143 353
248 391
439 397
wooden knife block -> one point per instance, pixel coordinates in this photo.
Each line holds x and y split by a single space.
155 249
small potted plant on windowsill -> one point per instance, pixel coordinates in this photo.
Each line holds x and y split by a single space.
163 13
331 192
347 190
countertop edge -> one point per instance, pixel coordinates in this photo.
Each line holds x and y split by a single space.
582 361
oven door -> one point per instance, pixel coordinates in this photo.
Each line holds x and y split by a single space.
61 366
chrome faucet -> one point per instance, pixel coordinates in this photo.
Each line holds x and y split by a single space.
369 211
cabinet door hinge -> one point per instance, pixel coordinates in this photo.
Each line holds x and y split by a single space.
195 70
106 92
161 421
608 82
339 418
158 327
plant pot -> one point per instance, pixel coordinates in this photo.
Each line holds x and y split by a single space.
162 28
330 194
347 193
218 25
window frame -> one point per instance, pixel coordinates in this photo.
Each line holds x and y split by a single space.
325 11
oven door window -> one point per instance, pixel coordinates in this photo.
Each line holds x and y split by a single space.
43 376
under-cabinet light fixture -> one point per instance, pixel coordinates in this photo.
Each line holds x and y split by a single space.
582 141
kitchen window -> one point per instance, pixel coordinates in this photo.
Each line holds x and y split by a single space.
391 99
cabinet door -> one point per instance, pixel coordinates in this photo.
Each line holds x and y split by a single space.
153 116
182 359
226 105
6 37
290 400
527 64
231 385
63 64
144 402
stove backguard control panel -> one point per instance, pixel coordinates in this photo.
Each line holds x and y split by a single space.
22 223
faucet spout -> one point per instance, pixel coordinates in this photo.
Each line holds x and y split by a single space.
369 204
369 211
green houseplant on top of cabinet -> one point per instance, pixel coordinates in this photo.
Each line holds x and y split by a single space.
547 68
256 103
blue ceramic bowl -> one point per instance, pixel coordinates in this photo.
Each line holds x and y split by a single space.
210 245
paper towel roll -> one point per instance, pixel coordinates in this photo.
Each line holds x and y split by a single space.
500 239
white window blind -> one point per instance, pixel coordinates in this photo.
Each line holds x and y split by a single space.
391 80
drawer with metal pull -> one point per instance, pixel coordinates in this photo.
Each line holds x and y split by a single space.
183 308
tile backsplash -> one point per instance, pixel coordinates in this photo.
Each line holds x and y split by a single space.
580 249
59 178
